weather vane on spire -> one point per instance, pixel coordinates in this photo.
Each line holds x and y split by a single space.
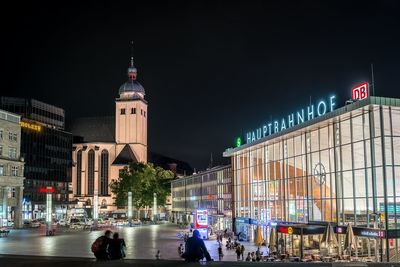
131 53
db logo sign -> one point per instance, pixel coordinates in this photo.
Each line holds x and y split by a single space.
360 91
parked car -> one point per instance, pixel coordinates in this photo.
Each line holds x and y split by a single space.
31 223
62 222
136 222
76 223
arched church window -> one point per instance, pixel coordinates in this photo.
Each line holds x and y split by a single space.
90 172
104 173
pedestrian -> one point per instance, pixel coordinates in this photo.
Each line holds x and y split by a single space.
242 252
180 250
158 255
238 252
195 250
258 254
253 256
248 258
116 248
100 246
220 253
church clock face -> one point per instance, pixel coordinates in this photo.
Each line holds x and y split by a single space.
319 173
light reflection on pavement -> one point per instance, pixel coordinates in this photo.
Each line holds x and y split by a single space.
142 242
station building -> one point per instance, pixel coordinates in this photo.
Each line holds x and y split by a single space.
323 165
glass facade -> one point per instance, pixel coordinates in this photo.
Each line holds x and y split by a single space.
47 154
345 169
211 190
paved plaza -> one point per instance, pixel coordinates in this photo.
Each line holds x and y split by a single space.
142 243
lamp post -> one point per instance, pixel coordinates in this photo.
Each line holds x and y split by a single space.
95 209
130 208
154 207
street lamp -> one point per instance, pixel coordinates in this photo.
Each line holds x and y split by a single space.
130 208
95 209
155 206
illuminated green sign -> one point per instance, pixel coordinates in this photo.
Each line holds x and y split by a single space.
238 142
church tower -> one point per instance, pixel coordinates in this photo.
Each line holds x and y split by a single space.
131 120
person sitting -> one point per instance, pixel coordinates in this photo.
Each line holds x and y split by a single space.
100 246
195 249
116 247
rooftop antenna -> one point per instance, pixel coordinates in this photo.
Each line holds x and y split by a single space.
373 81
211 161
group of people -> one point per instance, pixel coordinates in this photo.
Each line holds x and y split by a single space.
254 256
106 247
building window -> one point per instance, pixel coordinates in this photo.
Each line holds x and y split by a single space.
133 110
14 137
14 171
1 170
144 114
78 172
122 111
12 153
1 134
90 172
10 136
1 150
104 173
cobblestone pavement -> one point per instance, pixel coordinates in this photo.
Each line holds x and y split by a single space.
142 243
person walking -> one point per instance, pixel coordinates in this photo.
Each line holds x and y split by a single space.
195 249
242 252
158 255
100 246
116 247
238 252
220 253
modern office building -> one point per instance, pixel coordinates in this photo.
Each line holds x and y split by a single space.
46 148
209 190
11 170
323 165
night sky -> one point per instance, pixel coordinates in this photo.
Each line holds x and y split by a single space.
211 71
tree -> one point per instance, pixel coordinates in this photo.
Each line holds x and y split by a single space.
143 180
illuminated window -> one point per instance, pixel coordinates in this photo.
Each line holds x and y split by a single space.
122 111
14 171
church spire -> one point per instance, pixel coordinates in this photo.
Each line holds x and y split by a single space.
132 71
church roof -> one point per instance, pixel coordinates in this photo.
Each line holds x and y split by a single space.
131 86
125 157
94 129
